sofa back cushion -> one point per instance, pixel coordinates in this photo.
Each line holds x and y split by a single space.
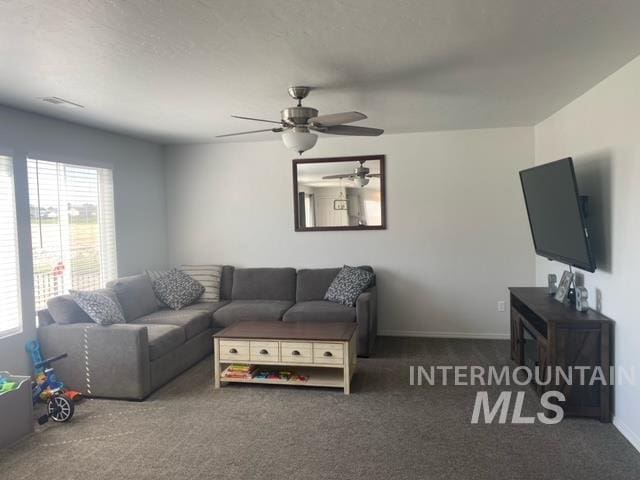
64 310
226 282
135 295
264 284
312 283
45 318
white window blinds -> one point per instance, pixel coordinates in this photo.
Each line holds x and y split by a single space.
10 317
72 228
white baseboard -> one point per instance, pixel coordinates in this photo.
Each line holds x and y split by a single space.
629 434
416 333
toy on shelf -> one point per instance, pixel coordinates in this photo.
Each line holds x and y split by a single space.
48 389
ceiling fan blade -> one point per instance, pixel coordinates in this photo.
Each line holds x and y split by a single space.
275 130
349 130
256 119
343 175
374 175
337 118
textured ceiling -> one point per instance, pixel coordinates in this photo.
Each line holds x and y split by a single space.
173 71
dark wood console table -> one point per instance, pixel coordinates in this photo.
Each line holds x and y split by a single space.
544 332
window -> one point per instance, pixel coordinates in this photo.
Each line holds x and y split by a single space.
72 228
10 317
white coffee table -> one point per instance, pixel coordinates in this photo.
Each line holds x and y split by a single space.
322 351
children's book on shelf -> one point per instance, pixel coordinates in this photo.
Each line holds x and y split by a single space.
239 370
247 371
281 375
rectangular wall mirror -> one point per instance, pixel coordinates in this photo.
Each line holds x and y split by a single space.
343 193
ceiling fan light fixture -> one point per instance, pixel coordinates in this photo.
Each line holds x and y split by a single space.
360 181
299 139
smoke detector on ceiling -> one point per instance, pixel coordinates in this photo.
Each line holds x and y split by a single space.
61 101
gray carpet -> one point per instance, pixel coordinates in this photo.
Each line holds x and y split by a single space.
385 429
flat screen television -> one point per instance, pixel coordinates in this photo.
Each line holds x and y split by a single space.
556 215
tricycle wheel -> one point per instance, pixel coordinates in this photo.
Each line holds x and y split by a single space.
60 408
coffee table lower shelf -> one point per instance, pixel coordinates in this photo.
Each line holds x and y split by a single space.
316 377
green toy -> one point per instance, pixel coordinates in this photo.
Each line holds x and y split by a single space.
7 385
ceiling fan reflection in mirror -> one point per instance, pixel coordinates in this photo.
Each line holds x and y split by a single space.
298 124
360 176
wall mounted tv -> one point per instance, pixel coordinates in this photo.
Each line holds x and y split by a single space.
556 215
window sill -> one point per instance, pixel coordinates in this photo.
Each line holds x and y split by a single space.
10 333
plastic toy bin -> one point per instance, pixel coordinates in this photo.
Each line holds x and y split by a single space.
16 411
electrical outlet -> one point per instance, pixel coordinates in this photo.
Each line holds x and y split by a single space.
501 306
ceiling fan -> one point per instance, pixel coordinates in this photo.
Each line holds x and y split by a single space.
298 123
360 176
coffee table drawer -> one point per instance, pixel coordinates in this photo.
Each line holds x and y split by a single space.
264 351
328 353
296 352
234 350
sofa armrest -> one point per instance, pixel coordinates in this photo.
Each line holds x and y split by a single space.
367 319
103 361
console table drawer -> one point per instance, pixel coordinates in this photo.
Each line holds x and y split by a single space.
264 351
296 352
234 350
327 353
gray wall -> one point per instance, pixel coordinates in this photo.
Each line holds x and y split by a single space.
457 231
600 131
141 232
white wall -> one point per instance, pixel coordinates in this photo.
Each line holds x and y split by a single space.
600 130
457 231
141 232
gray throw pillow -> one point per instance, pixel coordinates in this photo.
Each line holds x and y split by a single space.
177 289
153 276
64 310
348 285
99 307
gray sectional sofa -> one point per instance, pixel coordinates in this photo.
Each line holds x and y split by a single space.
131 360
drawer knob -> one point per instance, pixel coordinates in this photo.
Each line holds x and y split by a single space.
328 354
295 352
233 350
264 352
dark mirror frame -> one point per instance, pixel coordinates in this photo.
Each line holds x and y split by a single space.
383 200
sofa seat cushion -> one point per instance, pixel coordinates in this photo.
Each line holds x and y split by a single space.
208 307
320 311
164 339
240 310
192 321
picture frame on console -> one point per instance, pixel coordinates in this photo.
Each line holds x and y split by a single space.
563 288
